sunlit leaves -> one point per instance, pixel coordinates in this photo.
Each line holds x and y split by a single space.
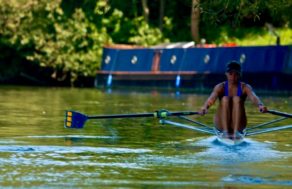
72 46
101 7
143 34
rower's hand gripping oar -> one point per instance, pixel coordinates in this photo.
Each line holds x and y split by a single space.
77 120
284 114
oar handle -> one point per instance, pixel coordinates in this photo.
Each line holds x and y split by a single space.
284 114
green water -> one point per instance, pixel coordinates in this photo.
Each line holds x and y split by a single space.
36 151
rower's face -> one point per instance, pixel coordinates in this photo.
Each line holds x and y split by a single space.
232 76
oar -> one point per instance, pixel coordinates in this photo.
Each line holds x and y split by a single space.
284 114
266 123
77 120
176 124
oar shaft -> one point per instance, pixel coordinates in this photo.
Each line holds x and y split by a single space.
155 114
176 124
196 122
284 114
121 116
269 130
267 123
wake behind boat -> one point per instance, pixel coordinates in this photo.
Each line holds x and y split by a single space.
77 120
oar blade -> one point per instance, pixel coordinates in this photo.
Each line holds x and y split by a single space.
74 120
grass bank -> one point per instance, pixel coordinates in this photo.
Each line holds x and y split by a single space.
251 36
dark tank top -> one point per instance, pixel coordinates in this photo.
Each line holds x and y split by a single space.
239 90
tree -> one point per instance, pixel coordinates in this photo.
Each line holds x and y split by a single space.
71 46
145 10
161 14
195 20
69 43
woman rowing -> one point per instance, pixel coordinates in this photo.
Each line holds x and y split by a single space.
230 117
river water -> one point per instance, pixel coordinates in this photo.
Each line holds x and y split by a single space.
36 151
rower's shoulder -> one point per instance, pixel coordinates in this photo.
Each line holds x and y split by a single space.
219 87
245 86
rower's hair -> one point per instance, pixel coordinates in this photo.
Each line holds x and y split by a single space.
234 66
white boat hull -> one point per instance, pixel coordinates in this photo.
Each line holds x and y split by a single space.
230 139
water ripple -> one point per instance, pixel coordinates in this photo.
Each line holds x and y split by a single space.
71 136
245 179
71 149
249 151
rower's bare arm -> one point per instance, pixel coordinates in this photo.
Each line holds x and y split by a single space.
211 99
255 99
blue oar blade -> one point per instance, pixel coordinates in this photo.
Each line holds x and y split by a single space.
74 120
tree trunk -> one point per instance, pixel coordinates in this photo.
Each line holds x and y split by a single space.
161 14
145 10
195 20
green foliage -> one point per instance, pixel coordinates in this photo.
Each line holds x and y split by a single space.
69 43
75 47
71 46
145 35
132 31
244 22
253 39
246 13
255 36
68 36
